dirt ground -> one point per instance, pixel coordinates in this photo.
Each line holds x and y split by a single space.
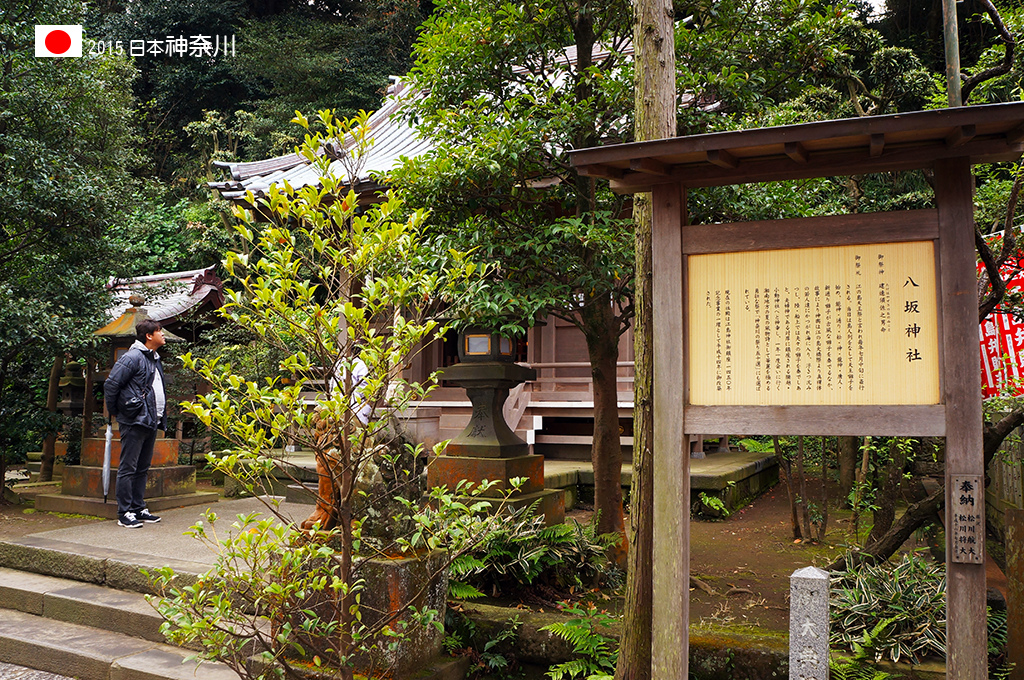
747 559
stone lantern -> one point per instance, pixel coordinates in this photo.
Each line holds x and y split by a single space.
487 448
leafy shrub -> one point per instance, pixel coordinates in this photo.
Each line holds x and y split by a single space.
899 612
911 594
525 552
860 666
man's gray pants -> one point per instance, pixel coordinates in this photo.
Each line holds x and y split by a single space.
136 455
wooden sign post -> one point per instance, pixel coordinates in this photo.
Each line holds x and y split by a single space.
860 324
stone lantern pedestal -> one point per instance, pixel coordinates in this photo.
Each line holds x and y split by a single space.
488 448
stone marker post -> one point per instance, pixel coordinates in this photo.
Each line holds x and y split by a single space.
808 624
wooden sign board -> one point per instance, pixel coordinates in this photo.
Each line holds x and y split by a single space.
836 325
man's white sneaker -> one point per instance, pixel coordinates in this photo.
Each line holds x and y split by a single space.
129 521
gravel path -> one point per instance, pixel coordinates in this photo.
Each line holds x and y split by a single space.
12 672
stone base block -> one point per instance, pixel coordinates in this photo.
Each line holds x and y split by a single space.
165 452
21 493
391 584
450 470
34 468
487 449
82 505
84 480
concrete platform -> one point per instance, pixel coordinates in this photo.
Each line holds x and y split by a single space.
106 554
731 475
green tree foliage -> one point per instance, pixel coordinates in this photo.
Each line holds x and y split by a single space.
158 237
66 145
503 102
745 64
288 56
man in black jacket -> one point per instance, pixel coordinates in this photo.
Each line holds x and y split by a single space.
134 393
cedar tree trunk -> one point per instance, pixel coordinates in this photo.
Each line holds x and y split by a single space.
802 476
655 114
785 471
886 499
601 332
52 394
635 646
847 467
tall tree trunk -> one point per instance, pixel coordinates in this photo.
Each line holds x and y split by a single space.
787 477
862 476
600 329
802 477
886 499
49 444
635 646
823 527
847 467
655 114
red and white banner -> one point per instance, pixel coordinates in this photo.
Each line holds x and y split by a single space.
1002 349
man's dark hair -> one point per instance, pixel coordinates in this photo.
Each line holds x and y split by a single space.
144 328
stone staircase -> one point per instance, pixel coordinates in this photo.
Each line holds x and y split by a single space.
79 610
88 631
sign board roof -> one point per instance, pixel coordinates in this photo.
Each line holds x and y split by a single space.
902 141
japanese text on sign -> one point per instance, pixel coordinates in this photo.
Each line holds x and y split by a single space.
829 326
967 509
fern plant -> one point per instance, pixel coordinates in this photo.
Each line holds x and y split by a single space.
597 653
860 666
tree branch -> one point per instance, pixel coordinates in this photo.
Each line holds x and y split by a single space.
1004 67
998 291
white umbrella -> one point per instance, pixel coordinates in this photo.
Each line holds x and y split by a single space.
106 461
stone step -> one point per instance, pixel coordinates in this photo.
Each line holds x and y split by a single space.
82 603
93 654
26 491
95 507
88 631
92 564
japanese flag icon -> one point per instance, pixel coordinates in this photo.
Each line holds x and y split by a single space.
58 41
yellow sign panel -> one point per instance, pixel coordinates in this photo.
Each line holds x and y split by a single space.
815 326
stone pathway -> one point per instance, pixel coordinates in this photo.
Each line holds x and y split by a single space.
11 672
